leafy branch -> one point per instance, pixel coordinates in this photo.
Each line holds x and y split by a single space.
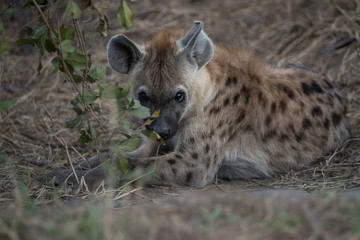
68 47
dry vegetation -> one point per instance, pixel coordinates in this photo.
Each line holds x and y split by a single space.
322 35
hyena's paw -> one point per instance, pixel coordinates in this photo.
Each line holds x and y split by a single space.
92 178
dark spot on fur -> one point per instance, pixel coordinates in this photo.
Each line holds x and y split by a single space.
282 106
273 108
248 128
287 90
268 135
262 99
230 81
178 156
189 177
306 123
336 118
223 134
171 161
240 117
234 80
232 135
339 98
214 110
192 140
162 176
211 133
236 98
316 87
328 84
226 102
284 137
220 124
268 121
207 148
299 137
194 155
246 93
305 88
174 170
316 111
291 127
320 100
326 123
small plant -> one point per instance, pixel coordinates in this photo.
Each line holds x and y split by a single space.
68 46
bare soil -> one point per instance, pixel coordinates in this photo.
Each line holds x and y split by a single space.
318 202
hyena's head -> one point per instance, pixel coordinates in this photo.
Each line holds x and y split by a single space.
162 71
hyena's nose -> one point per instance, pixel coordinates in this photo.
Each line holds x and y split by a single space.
163 131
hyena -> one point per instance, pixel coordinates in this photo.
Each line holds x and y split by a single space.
225 112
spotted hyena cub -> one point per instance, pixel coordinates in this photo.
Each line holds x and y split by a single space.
224 112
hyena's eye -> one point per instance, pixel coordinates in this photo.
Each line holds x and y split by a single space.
143 97
180 96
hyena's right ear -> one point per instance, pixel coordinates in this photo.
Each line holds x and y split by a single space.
123 54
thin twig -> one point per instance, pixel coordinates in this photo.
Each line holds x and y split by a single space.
127 193
63 142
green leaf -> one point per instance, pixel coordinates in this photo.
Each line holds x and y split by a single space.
72 9
141 112
67 33
85 137
121 104
49 46
109 90
90 96
122 163
25 41
77 78
76 60
38 32
55 62
124 15
124 91
68 46
3 46
126 124
98 72
7 103
129 145
153 136
136 104
72 122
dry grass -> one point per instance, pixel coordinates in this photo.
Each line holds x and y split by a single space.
311 33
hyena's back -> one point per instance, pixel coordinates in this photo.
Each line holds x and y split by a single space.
266 120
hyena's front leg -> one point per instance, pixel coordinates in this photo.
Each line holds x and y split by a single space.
91 171
189 168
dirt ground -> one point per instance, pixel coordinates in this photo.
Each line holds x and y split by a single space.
318 202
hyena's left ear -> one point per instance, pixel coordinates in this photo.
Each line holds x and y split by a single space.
197 46
123 54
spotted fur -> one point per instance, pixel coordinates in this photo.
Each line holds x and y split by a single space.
241 118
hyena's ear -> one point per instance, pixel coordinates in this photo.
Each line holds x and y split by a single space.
123 54
196 45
